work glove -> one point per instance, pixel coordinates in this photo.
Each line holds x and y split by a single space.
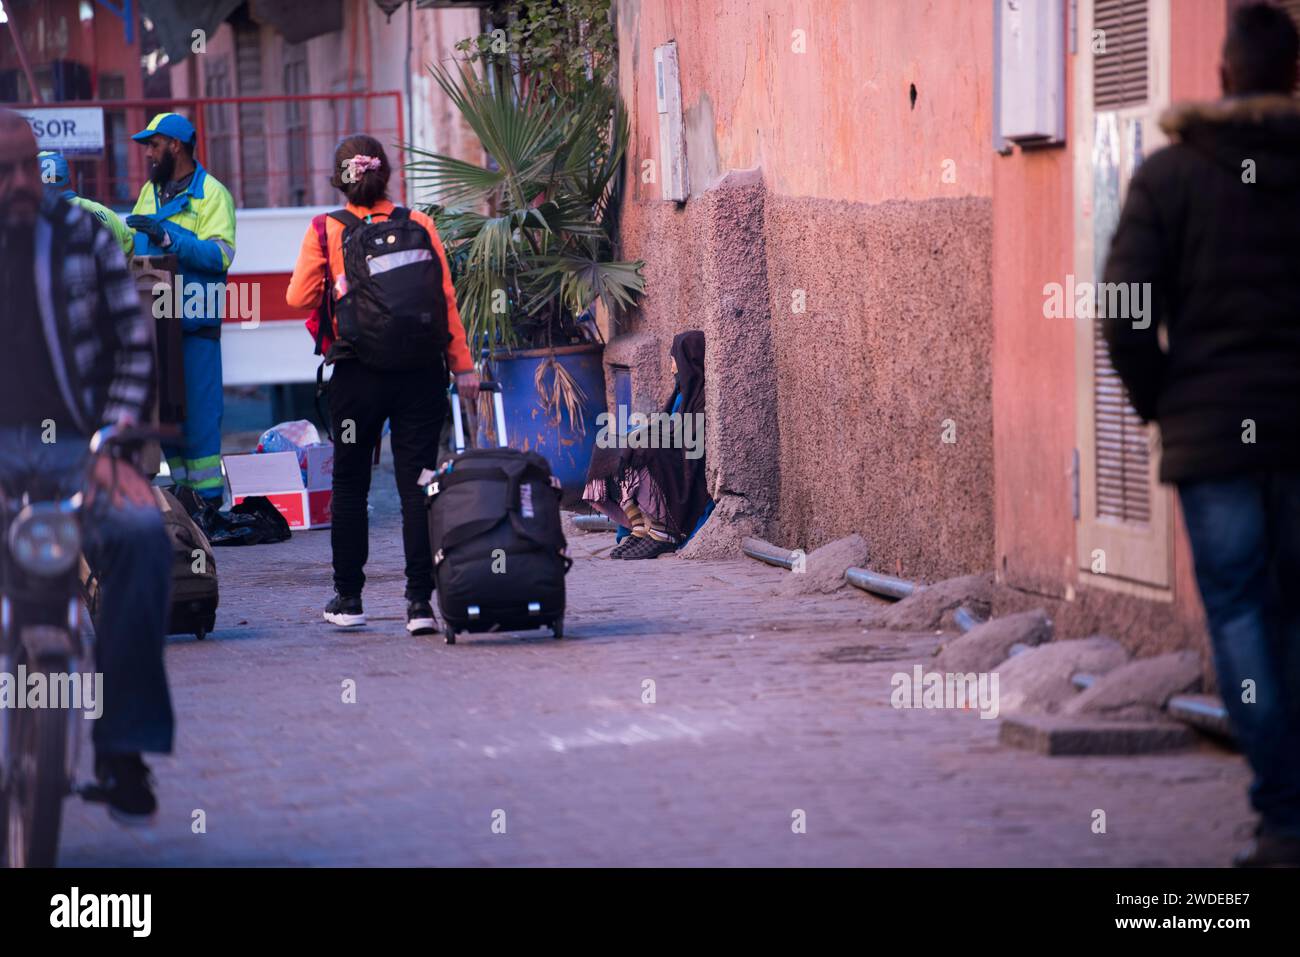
150 227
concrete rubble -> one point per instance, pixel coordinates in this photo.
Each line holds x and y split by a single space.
823 568
986 646
1040 679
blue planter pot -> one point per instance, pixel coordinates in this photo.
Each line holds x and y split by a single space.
529 427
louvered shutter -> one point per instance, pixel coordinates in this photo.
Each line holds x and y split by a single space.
1120 73
1123 459
1123 454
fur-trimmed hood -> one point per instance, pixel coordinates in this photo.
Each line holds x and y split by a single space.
1264 129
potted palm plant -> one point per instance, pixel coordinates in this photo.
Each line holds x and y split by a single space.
531 237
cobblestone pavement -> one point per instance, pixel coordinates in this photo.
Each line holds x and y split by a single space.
763 707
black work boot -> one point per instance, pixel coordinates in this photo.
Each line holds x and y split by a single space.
126 786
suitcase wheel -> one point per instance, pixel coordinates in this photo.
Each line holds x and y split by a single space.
557 626
199 622
205 625
449 634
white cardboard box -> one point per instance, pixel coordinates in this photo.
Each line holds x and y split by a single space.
279 477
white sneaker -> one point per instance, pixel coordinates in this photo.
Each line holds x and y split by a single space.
419 618
345 612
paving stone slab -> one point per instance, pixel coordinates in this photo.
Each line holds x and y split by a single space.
1055 736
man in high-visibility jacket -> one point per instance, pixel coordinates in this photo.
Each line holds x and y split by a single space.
184 211
58 180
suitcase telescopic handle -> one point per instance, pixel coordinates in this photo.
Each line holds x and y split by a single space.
458 424
486 384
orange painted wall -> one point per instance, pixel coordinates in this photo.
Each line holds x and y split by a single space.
1033 370
834 122
1197 30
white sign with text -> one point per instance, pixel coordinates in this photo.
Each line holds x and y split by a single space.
76 130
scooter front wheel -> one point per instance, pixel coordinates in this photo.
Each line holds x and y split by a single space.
36 782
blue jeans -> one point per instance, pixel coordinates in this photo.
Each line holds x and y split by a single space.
131 553
1245 535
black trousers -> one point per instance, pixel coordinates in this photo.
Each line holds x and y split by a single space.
415 404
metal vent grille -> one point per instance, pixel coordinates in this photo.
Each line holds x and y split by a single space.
1120 73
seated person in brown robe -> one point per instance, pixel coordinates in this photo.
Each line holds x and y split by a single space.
654 483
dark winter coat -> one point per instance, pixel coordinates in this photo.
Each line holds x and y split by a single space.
1212 222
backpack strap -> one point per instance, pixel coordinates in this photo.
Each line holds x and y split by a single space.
327 294
318 224
326 319
345 217
320 392
348 218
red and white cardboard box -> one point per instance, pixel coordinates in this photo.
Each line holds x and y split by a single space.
316 463
279 477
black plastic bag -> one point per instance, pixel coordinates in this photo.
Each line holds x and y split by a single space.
254 521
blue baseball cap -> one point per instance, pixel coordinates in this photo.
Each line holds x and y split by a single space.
168 124
54 170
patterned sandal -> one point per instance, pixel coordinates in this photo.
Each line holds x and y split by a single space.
646 548
621 548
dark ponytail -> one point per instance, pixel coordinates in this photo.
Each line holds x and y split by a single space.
370 186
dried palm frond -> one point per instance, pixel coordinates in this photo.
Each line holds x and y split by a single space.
563 395
485 416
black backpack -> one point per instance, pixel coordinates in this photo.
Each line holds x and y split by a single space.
394 313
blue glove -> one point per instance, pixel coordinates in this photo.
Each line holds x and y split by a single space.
149 226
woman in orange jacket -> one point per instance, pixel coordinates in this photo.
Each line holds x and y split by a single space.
362 396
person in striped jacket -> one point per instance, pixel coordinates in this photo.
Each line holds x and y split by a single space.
78 356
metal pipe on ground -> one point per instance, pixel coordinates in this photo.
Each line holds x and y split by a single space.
873 582
767 552
594 523
878 584
1202 711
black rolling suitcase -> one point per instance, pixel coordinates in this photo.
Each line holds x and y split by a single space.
194 571
499 552
194 592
